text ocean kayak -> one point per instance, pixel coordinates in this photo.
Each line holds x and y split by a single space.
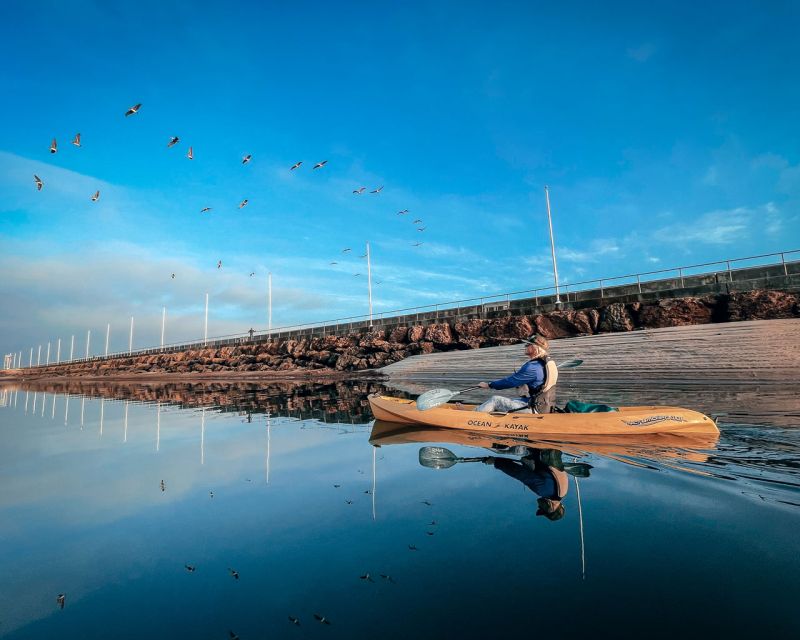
626 421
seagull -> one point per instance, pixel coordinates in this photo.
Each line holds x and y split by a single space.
247 158
219 266
367 577
412 547
294 620
190 155
387 577
332 263
96 196
349 501
296 165
379 282
252 273
204 209
359 191
416 244
336 486
421 228
378 190
346 250
53 146
39 183
363 256
173 276
243 203
190 568
403 212
319 165
173 141
134 109
321 619
61 600
430 533
232 635
77 140
426 502
417 221
211 493
355 275
163 486
432 523
233 573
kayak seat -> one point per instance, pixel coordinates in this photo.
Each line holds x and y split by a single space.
576 406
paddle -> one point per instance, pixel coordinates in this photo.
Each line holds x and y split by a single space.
441 458
435 397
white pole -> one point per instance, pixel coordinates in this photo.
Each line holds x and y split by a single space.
205 324
130 339
39 356
71 348
369 284
269 303
108 333
58 352
552 243
48 353
30 359
88 337
163 322
19 360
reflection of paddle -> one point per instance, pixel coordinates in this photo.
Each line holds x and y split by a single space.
435 397
441 458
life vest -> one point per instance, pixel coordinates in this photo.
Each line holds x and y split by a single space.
550 378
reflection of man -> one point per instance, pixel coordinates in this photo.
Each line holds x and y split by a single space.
542 471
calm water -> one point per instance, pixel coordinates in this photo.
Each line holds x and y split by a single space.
107 500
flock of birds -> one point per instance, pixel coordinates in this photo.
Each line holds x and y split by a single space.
246 159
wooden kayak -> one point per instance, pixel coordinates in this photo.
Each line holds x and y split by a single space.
626 421
656 446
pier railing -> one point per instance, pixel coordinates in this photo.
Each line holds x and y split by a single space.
737 270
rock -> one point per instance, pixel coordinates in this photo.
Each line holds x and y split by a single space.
674 313
416 333
398 334
439 334
760 305
615 317
472 328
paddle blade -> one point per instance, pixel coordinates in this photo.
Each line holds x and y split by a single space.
570 364
433 398
437 457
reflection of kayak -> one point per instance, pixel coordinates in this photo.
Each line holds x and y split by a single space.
658 446
626 421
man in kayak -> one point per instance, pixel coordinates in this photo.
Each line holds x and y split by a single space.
537 377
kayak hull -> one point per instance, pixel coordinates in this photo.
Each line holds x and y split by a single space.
626 421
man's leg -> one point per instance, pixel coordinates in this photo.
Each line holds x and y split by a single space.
500 404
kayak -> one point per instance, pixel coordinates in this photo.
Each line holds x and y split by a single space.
625 421
657 446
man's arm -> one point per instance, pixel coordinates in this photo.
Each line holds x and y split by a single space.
529 373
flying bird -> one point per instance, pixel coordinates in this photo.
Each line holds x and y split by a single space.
173 276
359 191
417 244
219 266
190 155
232 635
204 209
332 263
387 577
163 486
378 190
355 275
379 282
412 547
417 221
134 109
77 140
319 165
426 503
367 577
190 568
211 493
337 486
173 141
349 501
61 599
321 619
96 196
296 165
346 250
243 203
247 158
363 256
403 212
294 620
234 573
53 146
421 228
252 273
38 181
430 533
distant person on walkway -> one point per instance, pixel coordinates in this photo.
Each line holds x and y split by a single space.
536 378
251 332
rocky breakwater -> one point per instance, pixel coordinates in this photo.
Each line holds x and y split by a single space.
331 355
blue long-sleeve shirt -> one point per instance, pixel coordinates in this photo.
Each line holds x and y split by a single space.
531 373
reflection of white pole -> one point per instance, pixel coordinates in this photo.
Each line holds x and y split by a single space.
203 436
58 352
268 444
53 410
130 339
369 285
158 427
580 519
71 348
163 322
48 353
83 404
102 413
66 409
374 480
108 334
269 303
88 337
552 243
33 410
44 402
205 324
26 401
125 428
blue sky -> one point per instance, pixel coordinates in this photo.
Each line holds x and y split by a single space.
667 133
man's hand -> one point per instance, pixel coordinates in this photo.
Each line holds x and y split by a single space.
483 385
